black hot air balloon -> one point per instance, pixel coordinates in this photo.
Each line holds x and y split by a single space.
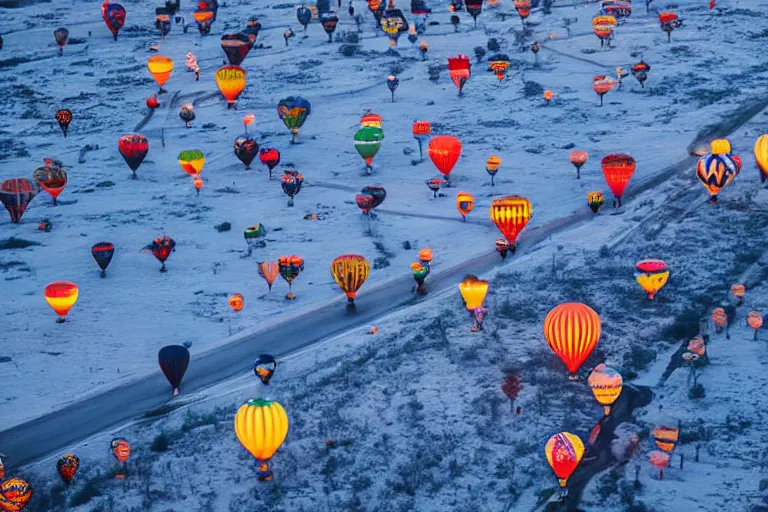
236 47
102 252
264 368
246 150
64 117
174 360
377 192
304 15
291 183
252 29
16 194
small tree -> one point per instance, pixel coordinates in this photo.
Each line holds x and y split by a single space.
512 387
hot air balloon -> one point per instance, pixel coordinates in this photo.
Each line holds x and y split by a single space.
602 85
473 291
392 83
204 18
16 194
498 64
2 470
666 437
755 321
264 368
377 194
51 179
578 158
329 20
548 96
602 26
620 11
246 150
261 427
64 117
564 452
269 270
465 203
364 202
618 169
761 156
290 268
423 49
738 291
253 235
474 8
659 460
572 330
367 143
503 247
606 384
121 450
134 148
669 21
67 466
236 47
102 253
425 257
350 272
460 69
291 184
293 111
160 67
421 131
492 167
640 72
511 214
444 151
231 82
652 275
716 171
187 113
720 319
192 161
523 8
61 296
269 157
114 16
161 247
434 185
173 360
595 201
62 36
15 493
197 182
370 119
236 302
304 15
420 273
163 24
152 102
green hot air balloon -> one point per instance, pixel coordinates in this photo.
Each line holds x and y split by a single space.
367 143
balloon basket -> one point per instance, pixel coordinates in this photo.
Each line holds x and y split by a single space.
163 269
103 274
60 320
290 296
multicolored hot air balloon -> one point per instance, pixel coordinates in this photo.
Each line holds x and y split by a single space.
652 275
192 161
666 437
51 179
618 169
174 360
606 384
291 184
269 270
602 85
473 291
187 113
761 156
290 268
367 143
61 35
602 26
421 131
669 21
328 20
261 427
114 16
393 23
511 214
370 119
133 148
492 167
64 117
420 273
236 301
350 272
160 67
161 247
246 150
294 111
465 203
595 201
16 194
572 330
564 452
15 493
498 64
61 296
716 169
640 72
67 467
269 157
755 321
304 16
578 159
102 253
253 237
236 47
444 151
231 82
460 70
264 368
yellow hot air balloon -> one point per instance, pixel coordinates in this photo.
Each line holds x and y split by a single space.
61 296
350 272
720 147
606 384
465 203
564 452
761 156
473 290
511 214
192 161
652 275
261 427
231 82
160 67
666 437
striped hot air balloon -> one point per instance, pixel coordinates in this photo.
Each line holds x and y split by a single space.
261 427
350 272
618 169
606 384
511 214
572 331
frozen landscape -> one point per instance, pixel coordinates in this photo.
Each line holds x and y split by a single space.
414 417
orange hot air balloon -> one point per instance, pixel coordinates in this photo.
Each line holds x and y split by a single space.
659 460
578 158
160 67
465 203
350 272
269 270
61 296
548 96
696 346
738 291
473 291
15 493
511 214
761 156
618 169
248 120
755 321
236 302
602 85
425 256
197 181
444 151
564 452
231 82
261 427
572 331
492 167
666 437
606 384
719 318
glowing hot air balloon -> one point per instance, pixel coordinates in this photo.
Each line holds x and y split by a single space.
192 161
572 330
602 85
564 452
61 296
370 119
492 167
652 275
602 26
640 72
755 321
511 214
261 427
350 272
15 493
269 270
51 179
161 248
231 82
716 170
264 368
473 291
578 158
465 203
421 131
606 384
293 111
62 36
248 120
595 201
659 460
290 268
444 151
133 148
498 64
618 169
64 117
666 437
236 302
738 291
669 21
761 156
269 157
67 467
291 184
160 67
460 69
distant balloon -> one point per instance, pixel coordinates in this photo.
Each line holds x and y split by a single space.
269 270
564 452
67 467
606 384
602 85
392 83
192 161
246 150
290 268
473 291
350 272
187 113
294 111
666 437
421 131
174 360
578 158
377 193
152 102
163 24
61 296
261 427
669 21
51 179
291 184
465 203
328 20
602 26
253 237
459 68
492 167
618 169
755 321
62 36
236 302
498 64
652 275
264 368
269 157
236 47
16 194
231 81
659 460
64 117
304 16
716 171
444 151
102 252
133 148
248 120
367 143
640 72
114 16
197 182
511 214
161 247
595 201
523 8
572 330
160 67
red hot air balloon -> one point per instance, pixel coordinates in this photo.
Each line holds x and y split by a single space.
114 16
16 194
161 247
269 157
511 214
460 69
51 179
444 151
134 148
618 169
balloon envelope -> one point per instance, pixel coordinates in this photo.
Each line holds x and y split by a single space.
618 169
444 151
61 296
160 67
192 161
133 148
246 150
261 427
236 47
572 330
473 291
16 194
51 179
564 452
511 214
103 252
231 81
264 368
67 466
652 275
173 360
350 272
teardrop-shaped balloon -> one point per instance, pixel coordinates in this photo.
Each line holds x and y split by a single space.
231 81
16 194
102 253
52 180
572 331
174 360
564 452
133 148
444 151
350 272
246 150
